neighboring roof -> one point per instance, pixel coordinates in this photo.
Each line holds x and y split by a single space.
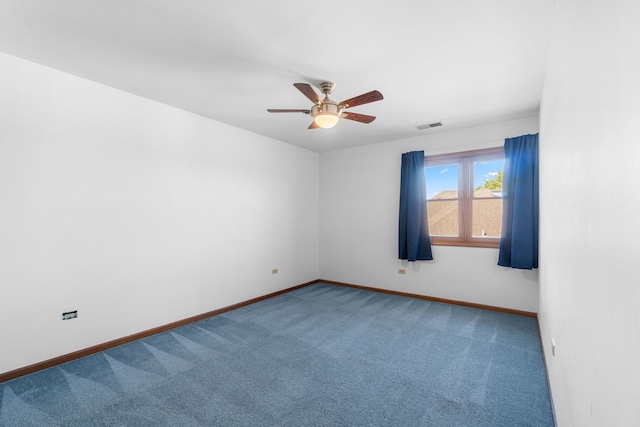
443 213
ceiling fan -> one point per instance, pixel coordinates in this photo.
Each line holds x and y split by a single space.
326 112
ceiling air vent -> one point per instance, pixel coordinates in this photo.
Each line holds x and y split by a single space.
429 126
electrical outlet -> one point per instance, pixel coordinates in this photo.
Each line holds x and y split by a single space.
274 271
70 315
402 271
553 347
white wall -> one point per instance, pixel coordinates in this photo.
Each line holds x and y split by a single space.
590 213
135 214
359 196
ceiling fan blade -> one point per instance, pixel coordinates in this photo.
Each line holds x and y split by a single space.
281 110
362 118
365 98
313 125
308 91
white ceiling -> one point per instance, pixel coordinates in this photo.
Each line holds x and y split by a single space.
461 62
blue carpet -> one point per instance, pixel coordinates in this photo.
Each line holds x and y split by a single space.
322 355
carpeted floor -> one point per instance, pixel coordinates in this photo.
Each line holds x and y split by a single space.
322 355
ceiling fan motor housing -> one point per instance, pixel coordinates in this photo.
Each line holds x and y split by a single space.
327 106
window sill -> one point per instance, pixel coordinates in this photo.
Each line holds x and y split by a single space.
480 243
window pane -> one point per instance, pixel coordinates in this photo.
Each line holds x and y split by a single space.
442 181
443 217
487 217
442 195
487 203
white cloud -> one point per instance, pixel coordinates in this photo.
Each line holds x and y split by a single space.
444 170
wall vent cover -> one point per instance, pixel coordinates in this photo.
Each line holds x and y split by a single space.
429 126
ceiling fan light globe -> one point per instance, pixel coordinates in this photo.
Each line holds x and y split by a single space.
326 120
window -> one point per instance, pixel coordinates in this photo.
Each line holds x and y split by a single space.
464 197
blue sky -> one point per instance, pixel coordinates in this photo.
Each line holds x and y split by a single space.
440 178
